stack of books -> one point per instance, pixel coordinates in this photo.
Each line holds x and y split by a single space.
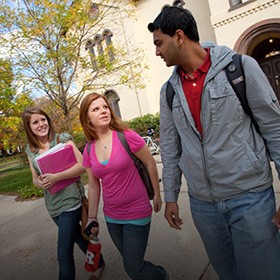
57 159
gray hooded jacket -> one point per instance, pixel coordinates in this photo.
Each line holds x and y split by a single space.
230 158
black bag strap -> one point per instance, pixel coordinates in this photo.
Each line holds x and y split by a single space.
125 144
169 95
235 75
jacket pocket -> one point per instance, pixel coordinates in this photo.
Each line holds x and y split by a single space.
253 159
178 114
224 105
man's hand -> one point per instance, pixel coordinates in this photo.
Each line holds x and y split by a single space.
172 215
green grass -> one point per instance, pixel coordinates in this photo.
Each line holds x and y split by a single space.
15 178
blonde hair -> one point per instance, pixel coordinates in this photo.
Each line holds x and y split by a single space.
115 124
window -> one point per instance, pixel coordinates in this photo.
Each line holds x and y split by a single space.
237 3
101 44
90 46
107 36
113 99
93 11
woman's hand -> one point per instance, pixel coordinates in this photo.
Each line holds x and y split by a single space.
157 201
94 230
38 182
47 180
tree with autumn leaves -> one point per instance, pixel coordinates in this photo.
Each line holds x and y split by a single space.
11 106
55 51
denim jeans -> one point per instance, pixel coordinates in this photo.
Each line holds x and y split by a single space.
241 241
131 241
69 232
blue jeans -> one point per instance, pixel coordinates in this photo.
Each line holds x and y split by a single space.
69 232
131 241
241 241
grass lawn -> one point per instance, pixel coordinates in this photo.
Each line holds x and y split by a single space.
15 178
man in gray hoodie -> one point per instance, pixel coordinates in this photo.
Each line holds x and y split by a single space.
207 136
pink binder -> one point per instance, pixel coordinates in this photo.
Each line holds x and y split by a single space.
58 161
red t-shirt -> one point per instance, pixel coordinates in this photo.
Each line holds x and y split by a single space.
193 87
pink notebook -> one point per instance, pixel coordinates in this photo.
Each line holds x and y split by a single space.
57 161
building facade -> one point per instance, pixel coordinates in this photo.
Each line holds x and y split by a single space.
250 27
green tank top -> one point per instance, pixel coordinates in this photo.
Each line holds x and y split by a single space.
68 197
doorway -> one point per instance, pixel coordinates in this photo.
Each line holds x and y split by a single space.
262 42
267 53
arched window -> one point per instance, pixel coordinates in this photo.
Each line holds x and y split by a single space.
90 46
107 35
103 45
113 99
98 41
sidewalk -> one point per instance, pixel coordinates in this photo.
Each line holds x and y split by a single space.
28 244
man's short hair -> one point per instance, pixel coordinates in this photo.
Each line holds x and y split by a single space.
171 19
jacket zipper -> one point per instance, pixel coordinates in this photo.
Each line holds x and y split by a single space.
205 167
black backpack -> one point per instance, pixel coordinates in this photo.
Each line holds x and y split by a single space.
235 75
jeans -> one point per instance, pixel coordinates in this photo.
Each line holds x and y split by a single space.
131 241
69 232
241 241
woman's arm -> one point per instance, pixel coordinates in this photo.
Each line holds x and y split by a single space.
93 198
146 157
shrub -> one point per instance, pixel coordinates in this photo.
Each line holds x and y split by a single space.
30 191
80 140
141 124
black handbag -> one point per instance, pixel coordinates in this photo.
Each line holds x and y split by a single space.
143 172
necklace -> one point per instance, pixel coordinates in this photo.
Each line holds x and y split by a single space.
104 146
106 139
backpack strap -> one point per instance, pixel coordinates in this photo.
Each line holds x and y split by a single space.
236 78
125 145
88 147
169 94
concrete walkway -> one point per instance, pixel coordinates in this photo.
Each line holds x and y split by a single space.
28 244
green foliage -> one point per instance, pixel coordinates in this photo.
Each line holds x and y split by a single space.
79 139
11 107
29 191
141 124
